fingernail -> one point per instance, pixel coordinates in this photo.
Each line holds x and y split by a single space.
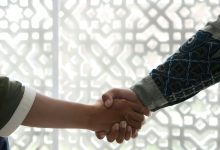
123 124
116 127
143 122
108 103
135 134
129 129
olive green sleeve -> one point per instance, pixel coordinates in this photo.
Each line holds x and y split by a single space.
11 95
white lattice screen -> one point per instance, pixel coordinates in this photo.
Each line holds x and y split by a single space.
77 49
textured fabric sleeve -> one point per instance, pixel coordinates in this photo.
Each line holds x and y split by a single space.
15 103
194 67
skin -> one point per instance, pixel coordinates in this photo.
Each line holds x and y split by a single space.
117 132
48 112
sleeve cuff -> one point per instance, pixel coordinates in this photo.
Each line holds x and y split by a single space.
214 28
149 94
20 113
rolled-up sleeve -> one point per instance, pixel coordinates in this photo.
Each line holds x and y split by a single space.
16 101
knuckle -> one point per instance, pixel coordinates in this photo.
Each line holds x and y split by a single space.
127 138
125 105
141 108
98 135
127 116
113 90
119 140
104 96
109 139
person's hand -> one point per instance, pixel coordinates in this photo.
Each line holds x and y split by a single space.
119 132
121 110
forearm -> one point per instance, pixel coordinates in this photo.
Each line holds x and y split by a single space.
47 112
20 105
194 67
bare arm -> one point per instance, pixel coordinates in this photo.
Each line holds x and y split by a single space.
47 112
52 113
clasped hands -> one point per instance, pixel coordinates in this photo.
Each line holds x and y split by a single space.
122 115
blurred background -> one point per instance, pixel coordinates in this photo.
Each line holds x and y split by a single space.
77 49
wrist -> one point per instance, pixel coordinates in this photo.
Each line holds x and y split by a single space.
88 119
79 116
96 117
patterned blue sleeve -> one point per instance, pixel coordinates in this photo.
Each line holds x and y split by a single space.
194 67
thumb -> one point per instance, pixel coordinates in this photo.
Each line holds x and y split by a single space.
107 99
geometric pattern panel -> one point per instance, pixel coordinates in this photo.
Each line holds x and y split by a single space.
26 55
108 44
105 44
26 41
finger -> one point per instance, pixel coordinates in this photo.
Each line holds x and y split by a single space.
128 133
146 111
114 93
134 133
143 122
121 93
100 134
131 96
113 134
138 107
136 117
125 94
135 124
107 99
141 109
122 130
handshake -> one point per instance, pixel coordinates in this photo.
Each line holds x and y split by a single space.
118 116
